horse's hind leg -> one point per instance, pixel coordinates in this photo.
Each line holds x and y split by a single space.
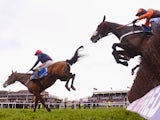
73 76
66 85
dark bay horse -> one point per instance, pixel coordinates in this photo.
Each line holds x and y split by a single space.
132 38
148 75
58 70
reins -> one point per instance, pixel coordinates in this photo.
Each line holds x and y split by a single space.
28 79
122 26
117 28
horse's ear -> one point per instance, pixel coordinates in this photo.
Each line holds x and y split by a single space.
104 18
12 71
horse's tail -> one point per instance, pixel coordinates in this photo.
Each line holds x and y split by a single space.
75 58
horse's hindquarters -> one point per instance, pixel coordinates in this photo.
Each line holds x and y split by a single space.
59 68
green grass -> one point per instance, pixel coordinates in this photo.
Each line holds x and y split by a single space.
69 114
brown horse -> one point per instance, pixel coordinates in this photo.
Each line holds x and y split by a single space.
132 38
58 70
148 75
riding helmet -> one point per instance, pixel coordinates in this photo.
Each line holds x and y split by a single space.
38 52
141 11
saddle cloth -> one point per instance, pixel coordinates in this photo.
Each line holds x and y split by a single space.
43 72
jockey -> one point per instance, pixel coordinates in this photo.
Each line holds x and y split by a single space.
152 18
44 59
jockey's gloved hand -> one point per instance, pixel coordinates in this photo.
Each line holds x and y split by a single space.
134 21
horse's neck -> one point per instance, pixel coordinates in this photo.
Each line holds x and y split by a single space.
118 30
23 78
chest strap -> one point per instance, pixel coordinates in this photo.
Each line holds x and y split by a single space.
130 33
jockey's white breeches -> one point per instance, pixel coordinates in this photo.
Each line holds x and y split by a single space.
45 64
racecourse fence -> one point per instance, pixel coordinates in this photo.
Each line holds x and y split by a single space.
74 105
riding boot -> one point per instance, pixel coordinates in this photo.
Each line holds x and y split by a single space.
36 74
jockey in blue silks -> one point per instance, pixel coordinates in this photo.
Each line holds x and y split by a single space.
45 59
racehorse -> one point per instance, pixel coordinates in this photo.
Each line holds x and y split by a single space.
58 70
148 76
132 38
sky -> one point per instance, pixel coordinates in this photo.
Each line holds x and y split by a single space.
58 28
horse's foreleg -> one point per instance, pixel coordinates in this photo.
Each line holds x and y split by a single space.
117 58
124 55
73 76
128 51
43 102
117 55
114 46
133 69
35 103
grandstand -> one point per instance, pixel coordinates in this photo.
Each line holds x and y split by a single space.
110 98
24 99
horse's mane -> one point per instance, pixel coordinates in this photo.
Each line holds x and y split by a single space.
129 28
19 73
148 75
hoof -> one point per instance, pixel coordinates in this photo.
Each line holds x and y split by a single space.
73 88
132 72
67 88
49 110
124 63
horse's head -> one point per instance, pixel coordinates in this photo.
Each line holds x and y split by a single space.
101 31
11 79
